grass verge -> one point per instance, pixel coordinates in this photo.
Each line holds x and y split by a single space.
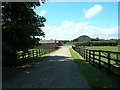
95 78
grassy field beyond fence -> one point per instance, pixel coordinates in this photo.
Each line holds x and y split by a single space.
100 58
106 48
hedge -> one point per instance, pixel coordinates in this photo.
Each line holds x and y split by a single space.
96 43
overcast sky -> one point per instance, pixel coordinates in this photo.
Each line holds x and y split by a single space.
69 20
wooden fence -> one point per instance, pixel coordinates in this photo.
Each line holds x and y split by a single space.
107 60
32 53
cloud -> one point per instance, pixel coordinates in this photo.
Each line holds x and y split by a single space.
71 30
43 12
91 12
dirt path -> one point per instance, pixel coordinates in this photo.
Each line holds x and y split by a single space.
57 71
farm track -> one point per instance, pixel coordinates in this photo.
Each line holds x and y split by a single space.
58 70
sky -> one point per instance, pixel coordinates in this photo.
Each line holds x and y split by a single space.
69 20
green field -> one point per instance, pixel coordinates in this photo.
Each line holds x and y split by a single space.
114 56
106 48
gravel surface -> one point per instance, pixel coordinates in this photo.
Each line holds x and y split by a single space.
58 70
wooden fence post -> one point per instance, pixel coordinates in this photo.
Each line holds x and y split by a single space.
86 55
99 59
28 54
93 57
23 55
39 52
81 50
89 56
117 58
76 48
33 53
109 70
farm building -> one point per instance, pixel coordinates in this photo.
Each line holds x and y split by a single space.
62 42
86 38
82 38
47 44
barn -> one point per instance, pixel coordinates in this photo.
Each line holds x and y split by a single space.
86 38
82 38
47 44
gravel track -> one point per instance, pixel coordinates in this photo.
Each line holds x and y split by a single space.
58 70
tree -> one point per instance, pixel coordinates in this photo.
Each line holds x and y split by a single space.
97 38
20 26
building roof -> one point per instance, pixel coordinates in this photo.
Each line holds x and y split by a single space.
93 39
81 36
84 36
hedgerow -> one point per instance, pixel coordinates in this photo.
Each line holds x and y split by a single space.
96 43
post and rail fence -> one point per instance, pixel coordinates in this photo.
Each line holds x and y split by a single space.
32 53
107 60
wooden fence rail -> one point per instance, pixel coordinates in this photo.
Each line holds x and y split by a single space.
108 60
33 53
